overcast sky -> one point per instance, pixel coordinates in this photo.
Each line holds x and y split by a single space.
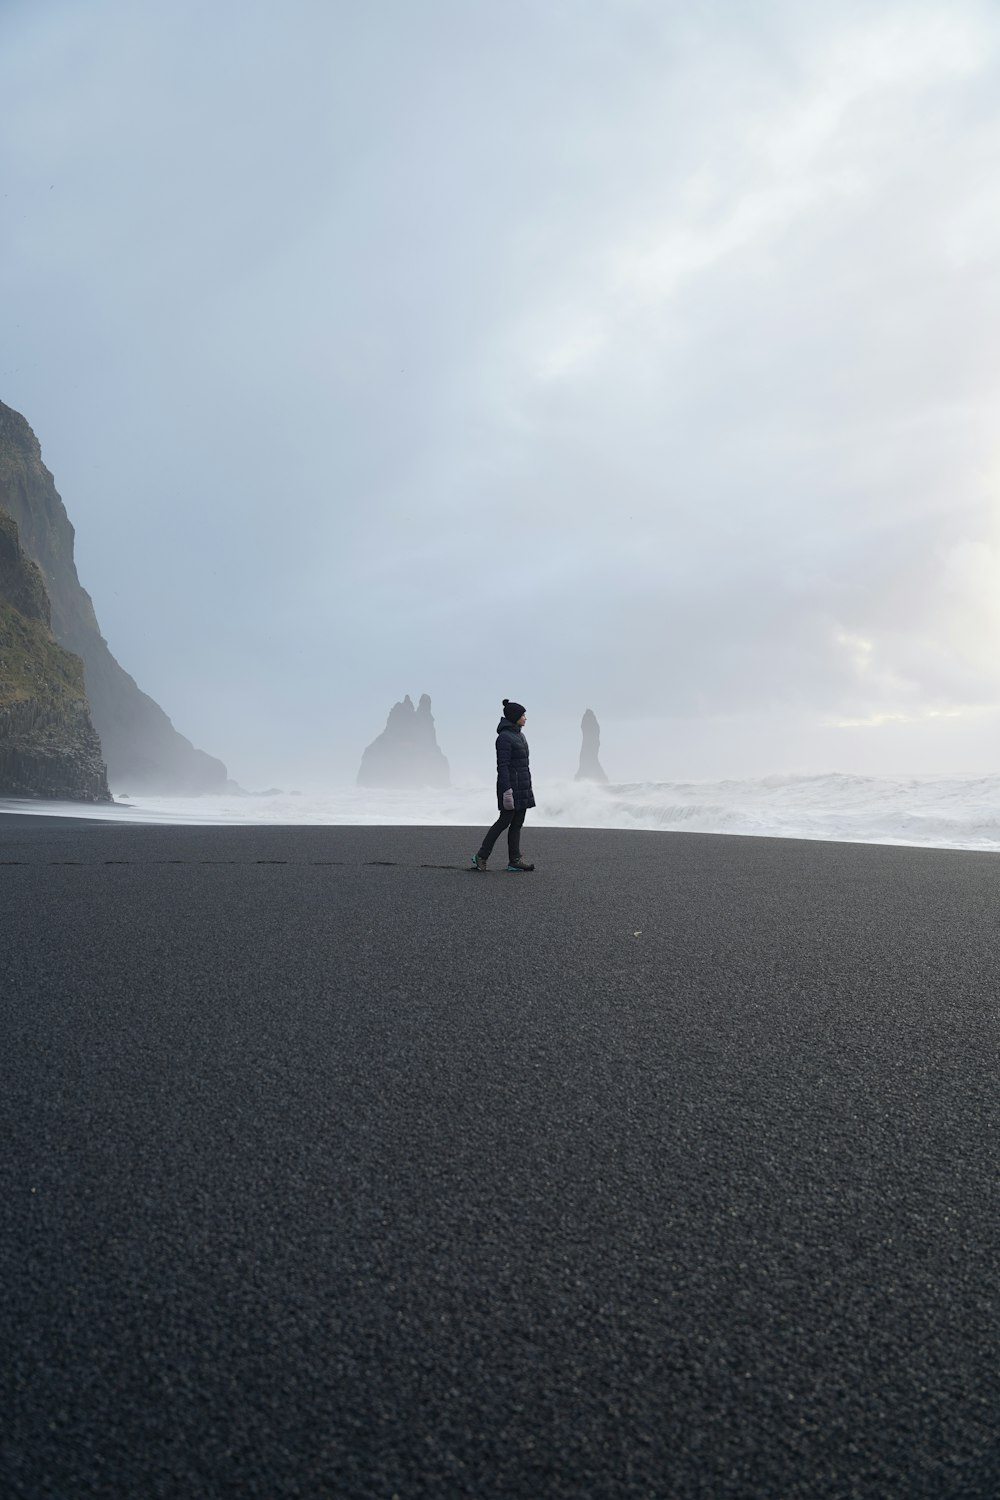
639 356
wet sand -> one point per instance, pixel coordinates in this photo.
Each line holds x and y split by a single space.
333 1168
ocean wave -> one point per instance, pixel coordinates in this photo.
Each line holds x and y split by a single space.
960 812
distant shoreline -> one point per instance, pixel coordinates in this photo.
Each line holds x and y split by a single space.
37 826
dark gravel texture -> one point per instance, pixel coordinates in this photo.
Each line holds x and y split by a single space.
332 1168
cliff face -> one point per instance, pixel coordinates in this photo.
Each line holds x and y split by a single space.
144 751
590 749
406 753
48 745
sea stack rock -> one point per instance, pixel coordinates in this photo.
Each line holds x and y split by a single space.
143 751
48 745
406 753
590 764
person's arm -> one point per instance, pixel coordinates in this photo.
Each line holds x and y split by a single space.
504 784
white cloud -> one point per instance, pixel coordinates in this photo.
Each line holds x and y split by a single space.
641 354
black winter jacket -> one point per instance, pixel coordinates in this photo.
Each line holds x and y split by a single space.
513 771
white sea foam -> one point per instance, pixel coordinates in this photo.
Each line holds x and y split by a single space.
958 812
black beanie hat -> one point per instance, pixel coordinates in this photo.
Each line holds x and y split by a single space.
512 710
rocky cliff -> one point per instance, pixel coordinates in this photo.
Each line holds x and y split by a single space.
48 745
406 753
590 749
143 750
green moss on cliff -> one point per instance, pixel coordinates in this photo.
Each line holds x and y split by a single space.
143 749
32 665
48 745
29 495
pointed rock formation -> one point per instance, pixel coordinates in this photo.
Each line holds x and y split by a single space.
48 745
590 764
406 753
142 748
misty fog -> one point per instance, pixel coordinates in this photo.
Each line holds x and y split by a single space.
619 356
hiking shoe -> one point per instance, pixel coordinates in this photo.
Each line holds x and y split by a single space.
478 862
520 866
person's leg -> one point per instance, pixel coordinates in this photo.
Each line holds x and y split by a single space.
514 836
491 836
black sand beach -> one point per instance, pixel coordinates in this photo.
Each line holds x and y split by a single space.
331 1168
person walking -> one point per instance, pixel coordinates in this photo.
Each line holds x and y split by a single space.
514 794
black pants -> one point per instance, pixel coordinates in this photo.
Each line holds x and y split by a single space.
512 821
